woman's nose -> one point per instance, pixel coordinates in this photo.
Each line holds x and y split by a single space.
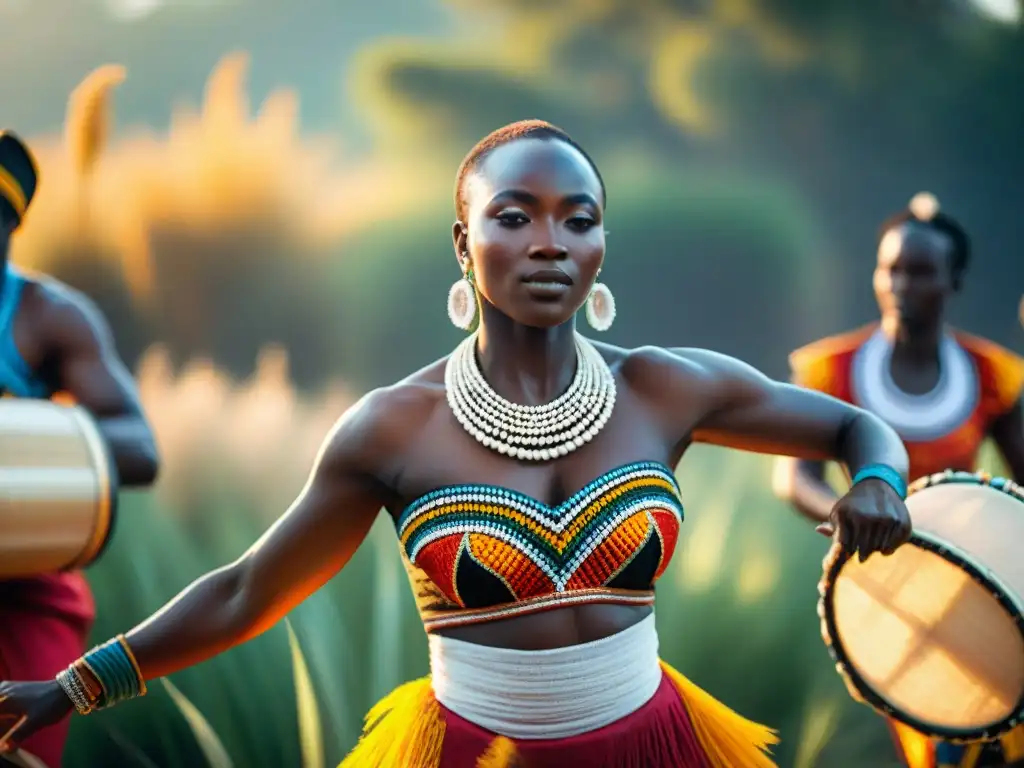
547 247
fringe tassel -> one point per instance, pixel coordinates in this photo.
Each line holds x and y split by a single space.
1013 744
500 754
405 729
918 749
728 739
971 756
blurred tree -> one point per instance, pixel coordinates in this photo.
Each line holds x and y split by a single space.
860 104
700 66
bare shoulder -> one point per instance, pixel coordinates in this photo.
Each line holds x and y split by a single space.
659 370
377 431
62 313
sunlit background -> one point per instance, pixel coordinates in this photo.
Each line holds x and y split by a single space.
258 194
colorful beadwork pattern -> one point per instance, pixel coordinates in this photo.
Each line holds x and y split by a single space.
479 552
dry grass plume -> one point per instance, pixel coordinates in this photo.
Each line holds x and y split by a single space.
216 171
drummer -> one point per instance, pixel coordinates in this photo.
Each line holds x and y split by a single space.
53 341
942 390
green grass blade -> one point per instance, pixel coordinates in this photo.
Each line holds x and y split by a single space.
819 727
210 744
310 732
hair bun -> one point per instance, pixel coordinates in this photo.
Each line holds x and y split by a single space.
924 206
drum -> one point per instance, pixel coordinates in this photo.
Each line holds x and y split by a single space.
933 635
58 488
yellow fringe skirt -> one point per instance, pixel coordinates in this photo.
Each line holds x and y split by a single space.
680 727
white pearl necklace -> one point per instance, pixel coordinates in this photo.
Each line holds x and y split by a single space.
531 432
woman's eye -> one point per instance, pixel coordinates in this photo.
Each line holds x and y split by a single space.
581 223
512 218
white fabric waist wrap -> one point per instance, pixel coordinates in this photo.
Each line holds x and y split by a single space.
550 694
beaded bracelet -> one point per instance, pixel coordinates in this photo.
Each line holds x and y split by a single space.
75 691
886 474
105 676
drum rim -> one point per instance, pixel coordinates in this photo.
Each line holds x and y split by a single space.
855 683
108 496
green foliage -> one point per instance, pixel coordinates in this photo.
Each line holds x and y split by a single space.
859 105
630 68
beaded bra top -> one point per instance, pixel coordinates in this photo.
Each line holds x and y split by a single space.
476 553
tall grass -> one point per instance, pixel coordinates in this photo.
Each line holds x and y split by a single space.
736 610
179 234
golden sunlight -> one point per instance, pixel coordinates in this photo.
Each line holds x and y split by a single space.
217 170
1005 11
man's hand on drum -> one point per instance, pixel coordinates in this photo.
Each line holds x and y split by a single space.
871 517
27 707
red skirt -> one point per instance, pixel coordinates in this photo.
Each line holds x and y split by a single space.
680 727
36 645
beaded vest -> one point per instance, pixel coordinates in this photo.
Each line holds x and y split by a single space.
476 553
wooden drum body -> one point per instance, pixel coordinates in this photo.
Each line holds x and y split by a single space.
933 635
58 488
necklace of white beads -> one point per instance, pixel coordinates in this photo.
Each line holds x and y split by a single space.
531 432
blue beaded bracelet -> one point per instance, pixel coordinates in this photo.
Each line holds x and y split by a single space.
884 473
117 672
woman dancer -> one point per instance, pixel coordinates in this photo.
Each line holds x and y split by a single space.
529 477
943 391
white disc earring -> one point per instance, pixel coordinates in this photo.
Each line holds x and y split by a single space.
600 307
462 302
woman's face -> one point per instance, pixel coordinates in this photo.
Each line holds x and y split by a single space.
914 276
534 230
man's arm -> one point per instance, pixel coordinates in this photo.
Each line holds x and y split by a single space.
87 366
802 484
1008 433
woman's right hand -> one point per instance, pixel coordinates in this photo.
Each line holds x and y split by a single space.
27 707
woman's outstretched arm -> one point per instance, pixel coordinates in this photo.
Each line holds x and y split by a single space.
297 555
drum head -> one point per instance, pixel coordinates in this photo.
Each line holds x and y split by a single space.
928 635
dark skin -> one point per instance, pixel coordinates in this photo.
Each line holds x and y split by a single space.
63 337
914 281
532 206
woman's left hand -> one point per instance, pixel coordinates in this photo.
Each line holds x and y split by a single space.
871 517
